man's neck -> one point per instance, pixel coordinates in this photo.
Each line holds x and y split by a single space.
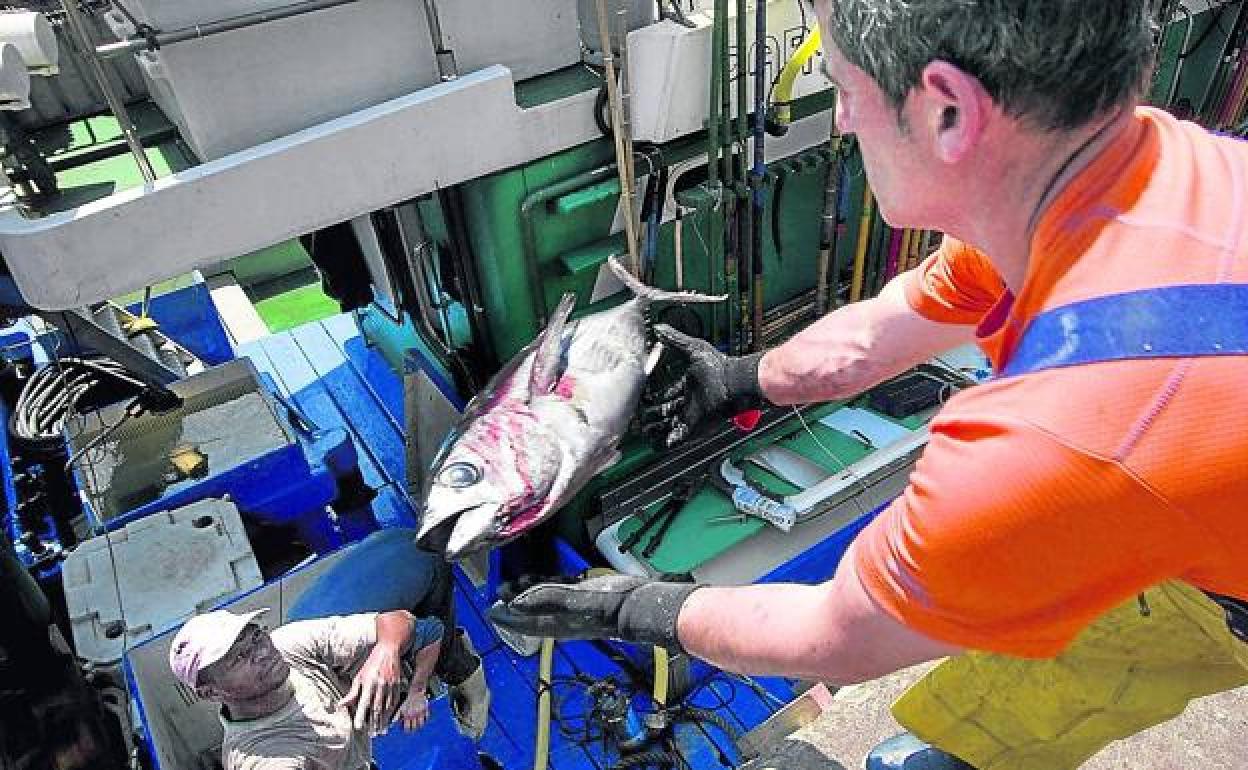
1035 169
259 707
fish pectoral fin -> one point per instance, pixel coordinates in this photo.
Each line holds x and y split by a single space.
549 350
606 459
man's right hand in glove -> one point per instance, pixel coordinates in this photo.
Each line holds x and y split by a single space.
714 386
610 607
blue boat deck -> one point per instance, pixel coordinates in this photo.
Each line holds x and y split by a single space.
329 371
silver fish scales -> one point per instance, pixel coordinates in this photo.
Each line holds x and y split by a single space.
547 422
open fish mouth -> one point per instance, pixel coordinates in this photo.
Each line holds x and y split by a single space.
461 533
436 535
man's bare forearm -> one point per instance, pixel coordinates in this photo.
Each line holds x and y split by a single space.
854 349
394 630
832 632
423 662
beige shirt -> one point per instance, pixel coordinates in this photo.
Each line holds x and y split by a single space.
309 732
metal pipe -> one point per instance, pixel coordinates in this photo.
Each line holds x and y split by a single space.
78 28
447 69
208 29
622 154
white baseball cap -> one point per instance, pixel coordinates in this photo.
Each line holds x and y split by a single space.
205 639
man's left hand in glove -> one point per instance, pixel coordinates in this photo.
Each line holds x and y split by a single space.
622 607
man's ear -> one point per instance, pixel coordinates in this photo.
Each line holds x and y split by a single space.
957 108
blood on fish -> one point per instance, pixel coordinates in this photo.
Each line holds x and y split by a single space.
566 387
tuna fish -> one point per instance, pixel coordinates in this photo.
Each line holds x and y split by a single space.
549 421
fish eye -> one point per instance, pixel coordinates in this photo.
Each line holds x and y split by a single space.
460 475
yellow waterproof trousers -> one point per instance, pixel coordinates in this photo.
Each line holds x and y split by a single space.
1137 666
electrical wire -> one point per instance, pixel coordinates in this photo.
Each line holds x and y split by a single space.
859 482
54 391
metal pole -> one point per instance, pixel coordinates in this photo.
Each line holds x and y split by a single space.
78 27
208 29
447 69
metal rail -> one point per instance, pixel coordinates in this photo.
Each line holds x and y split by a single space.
156 39
78 28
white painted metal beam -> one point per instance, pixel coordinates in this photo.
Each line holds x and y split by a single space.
439 136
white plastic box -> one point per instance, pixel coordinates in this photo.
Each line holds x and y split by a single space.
132 584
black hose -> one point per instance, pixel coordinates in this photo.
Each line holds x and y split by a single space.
53 392
645 758
694 714
600 109
776 196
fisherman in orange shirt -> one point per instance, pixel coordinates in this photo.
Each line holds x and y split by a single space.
1073 537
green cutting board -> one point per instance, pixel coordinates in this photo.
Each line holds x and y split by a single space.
692 540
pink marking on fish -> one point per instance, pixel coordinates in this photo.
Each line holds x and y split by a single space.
525 519
522 468
566 387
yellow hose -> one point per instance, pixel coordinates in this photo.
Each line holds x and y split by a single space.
546 667
864 234
788 76
662 676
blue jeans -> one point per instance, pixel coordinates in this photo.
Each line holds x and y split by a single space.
387 571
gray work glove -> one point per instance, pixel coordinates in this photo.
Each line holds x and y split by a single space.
714 386
622 607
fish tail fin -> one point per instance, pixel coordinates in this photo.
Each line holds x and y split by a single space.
651 294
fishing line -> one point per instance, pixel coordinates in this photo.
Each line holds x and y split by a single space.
861 482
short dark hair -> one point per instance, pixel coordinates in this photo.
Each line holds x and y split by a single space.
1057 64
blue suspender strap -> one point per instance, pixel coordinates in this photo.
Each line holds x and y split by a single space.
1165 322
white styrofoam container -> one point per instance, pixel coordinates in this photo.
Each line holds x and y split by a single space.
669 68
151 575
241 88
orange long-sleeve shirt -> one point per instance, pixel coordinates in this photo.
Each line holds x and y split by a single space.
1044 500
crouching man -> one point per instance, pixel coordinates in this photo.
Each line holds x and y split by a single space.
309 695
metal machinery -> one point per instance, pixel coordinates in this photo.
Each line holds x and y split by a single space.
452 168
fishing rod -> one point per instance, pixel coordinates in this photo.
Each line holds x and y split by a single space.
621 136
759 174
864 236
828 268
746 224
